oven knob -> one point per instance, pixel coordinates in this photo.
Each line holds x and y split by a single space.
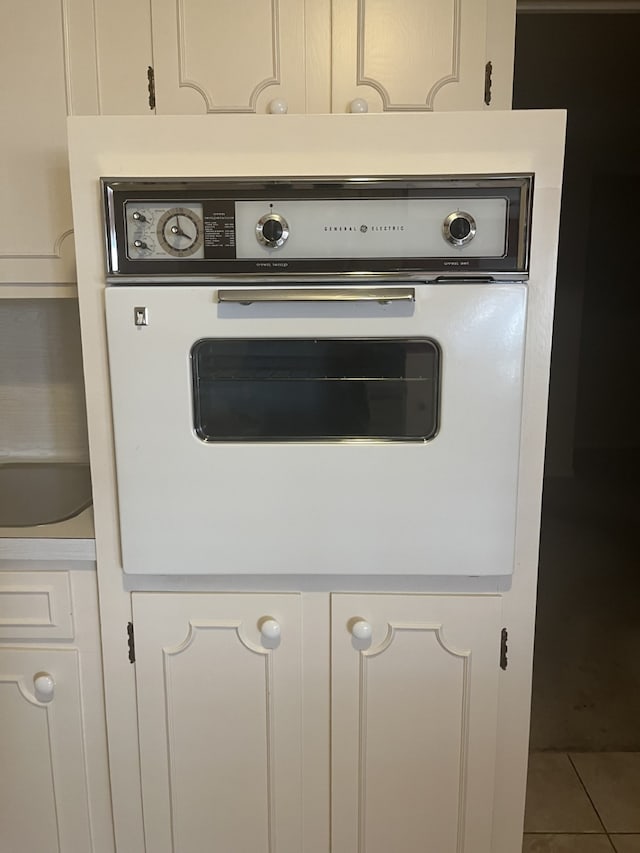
459 228
272 230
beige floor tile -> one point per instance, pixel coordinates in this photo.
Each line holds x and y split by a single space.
566 844
613 782
556 801
626 843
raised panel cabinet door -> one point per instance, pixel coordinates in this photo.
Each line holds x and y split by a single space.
47 65
414 709
224 57
44 802
408 55
219 682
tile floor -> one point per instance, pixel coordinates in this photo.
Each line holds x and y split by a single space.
583 794
583 803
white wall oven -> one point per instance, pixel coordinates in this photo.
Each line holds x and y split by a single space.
317 376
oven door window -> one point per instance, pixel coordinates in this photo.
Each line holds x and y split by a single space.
326 389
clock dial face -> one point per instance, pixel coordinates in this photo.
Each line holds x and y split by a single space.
180 232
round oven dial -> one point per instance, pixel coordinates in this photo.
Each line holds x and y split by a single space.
272 230
459 228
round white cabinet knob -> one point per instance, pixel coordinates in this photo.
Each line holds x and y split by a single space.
359 105
361 630
44 686
270 630
278 106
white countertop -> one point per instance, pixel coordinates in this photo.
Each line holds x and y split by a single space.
72 539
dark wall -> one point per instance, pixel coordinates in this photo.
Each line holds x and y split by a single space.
589 64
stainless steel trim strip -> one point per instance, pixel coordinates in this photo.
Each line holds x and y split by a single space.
246 296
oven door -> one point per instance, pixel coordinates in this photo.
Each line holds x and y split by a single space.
298 435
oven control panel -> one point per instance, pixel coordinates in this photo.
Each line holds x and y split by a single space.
317 226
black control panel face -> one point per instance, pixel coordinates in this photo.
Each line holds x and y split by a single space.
316 226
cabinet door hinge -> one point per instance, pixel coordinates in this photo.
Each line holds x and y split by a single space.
131 643
488 71
151 81
504 636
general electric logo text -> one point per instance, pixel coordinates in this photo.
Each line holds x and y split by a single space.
364 228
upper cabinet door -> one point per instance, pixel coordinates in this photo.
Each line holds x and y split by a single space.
225 57
47 65
409 55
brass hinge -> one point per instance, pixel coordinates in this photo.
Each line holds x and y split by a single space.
131 643
152 88
488 71
504 636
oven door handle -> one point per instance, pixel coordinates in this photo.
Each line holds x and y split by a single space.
383 295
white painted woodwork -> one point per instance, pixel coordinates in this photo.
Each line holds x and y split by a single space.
405 55
219 720
47 60
41 381
58 59
213 57
54 786
35 606
414 714
31 290
44 797
86 620
409 55
317 46
500 49
124 53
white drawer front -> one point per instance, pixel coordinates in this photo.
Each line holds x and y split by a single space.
35 605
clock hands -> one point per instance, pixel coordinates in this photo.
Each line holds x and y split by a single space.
177 229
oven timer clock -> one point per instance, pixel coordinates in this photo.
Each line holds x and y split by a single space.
155 231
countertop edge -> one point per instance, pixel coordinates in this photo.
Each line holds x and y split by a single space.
72 540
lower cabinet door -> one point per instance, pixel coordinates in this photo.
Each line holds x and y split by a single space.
44 805
414 712
219 683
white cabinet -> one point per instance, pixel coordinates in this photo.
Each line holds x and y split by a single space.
405 55
421 55
57 59
226 717
414 714
44 798
215 58
54 793
48 54
402 55
220 721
